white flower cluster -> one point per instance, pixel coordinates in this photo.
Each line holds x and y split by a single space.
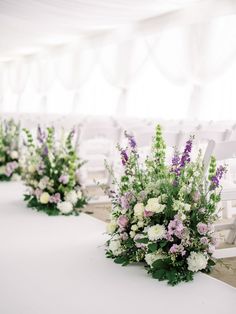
196 261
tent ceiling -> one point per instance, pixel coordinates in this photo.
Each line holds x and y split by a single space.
27 25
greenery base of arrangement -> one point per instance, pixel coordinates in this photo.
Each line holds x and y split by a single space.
51 209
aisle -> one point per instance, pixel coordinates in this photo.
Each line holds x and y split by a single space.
56 265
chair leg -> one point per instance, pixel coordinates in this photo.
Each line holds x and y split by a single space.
227 209
231 238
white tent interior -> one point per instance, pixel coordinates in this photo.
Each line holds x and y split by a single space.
163 59
103 67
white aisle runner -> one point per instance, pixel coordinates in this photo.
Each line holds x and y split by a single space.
56 265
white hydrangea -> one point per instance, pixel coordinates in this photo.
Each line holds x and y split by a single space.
156 232
115 246
111 227
71 197
153 205
150 258
65 207
196 261
139 210
14 154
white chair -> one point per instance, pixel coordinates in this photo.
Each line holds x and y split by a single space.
96 145
223 151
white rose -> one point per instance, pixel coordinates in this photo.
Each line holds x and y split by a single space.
71 197
153 205
132 234
14 154
156 232
115 247
111 227
2 170
44 198
150 258
140 223
65 207
196 261
134 227
139 210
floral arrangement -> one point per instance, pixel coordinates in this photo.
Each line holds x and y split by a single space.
51 172
9 151
163 215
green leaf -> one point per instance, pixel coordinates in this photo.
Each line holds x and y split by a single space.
120 260
152 247
159 274
143 240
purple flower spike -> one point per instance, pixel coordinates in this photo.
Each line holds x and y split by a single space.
186 154
218 176
175 164
132 142
40 135
45 151
124 157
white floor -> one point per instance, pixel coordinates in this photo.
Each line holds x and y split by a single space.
57 265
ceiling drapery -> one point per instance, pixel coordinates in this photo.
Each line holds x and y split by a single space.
60 40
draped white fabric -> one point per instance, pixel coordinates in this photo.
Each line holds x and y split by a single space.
168 59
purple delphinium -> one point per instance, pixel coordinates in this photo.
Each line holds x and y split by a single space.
175 164
217 177
132 142
45 151
41 135
185 158
124 157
